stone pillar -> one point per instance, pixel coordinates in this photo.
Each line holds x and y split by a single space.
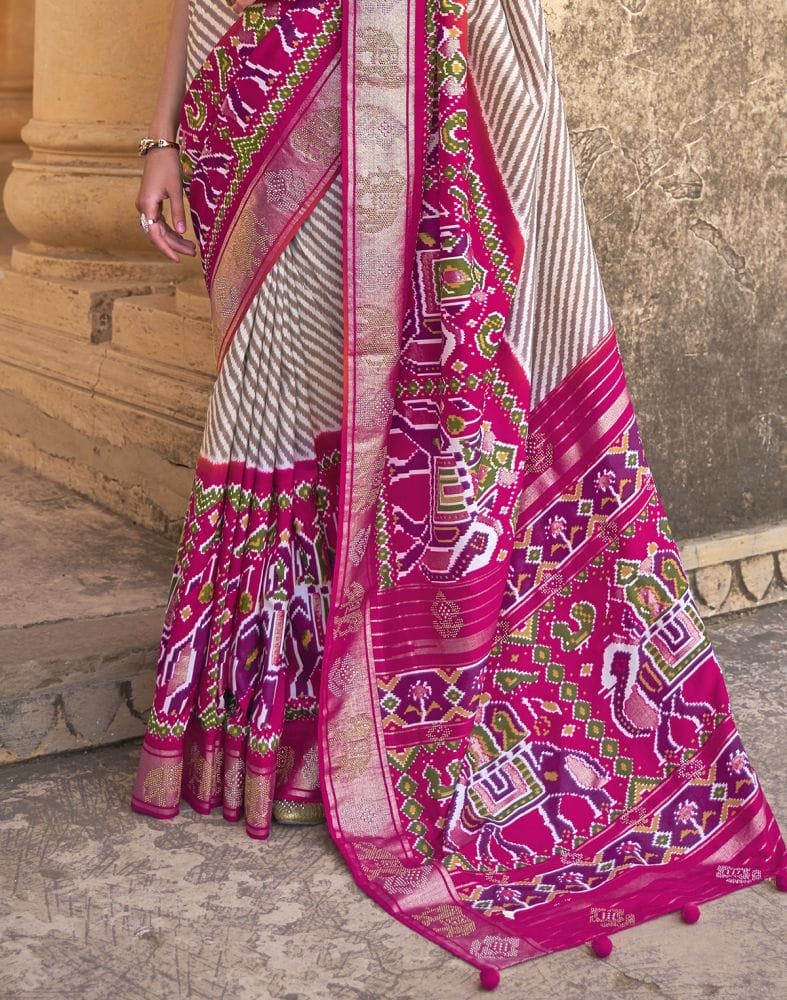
16 84
96 73
104 377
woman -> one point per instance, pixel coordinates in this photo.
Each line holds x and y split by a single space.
425 581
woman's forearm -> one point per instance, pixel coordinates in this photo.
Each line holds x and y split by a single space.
164 122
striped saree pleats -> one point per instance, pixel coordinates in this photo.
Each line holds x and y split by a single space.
234 718
426 580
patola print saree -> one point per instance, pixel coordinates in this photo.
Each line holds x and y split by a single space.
425 579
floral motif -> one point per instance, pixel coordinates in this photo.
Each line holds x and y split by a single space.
686 815
557 529
420 692
605 481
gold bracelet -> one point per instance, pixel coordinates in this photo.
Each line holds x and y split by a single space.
147 144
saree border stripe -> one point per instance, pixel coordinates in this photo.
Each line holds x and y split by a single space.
257 159
249 132
575 424
353 767
271 218
752 814
385 242
352 760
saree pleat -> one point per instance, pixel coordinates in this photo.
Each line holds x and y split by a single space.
269 434
425 578
262 409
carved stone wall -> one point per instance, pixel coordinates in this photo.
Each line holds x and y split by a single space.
674 113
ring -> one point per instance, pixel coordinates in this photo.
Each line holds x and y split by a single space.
145 222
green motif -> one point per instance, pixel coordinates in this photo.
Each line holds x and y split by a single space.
644 591
205 498
403 759
455 67
582 710
457 277
672 570
196 114
486 337
159 726
451 7
449 132
511 734
509 680
584 614
457 862
211 717
224 65
257 541
245 147
437 790
265 744
568 691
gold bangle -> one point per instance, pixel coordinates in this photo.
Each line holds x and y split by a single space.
147 144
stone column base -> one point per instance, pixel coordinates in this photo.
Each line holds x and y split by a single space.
104 387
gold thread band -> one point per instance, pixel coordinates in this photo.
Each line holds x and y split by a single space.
294 813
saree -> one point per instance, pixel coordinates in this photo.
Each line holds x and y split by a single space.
425 581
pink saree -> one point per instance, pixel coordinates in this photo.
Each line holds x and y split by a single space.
425 579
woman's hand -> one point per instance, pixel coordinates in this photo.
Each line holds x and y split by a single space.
161 179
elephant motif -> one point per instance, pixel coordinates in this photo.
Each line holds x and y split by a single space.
532 776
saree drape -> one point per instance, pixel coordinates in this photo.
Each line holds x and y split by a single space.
425 577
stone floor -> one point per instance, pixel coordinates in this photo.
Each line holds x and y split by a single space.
82 594
100 903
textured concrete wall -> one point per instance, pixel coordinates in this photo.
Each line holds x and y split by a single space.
673 109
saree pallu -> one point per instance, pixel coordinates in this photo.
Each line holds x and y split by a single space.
425 577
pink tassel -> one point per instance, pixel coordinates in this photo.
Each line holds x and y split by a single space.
490 977
690 913
780 878
602 946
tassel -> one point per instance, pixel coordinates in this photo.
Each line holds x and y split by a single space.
602 946
490 977
780 878
690 913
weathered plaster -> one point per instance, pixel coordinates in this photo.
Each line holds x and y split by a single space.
674 112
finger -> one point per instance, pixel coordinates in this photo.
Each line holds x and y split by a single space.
178 211
158 239
150 206
179 243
